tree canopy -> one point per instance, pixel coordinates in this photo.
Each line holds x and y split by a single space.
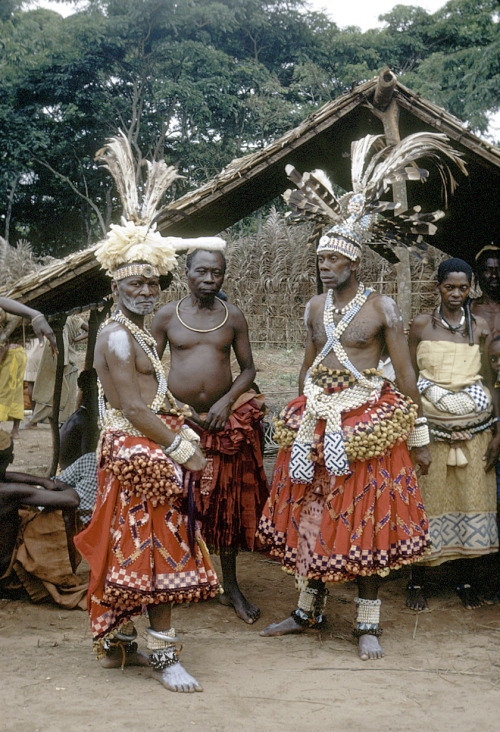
198 82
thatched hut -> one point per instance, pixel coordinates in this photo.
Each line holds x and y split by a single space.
381 105
321 140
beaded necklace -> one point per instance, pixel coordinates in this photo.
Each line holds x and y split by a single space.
347 307
148 344
199 330
334 332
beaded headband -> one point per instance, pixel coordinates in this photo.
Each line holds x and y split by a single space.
136 270
329 243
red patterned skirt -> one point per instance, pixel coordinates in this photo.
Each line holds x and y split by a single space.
233 489
337 528
137 544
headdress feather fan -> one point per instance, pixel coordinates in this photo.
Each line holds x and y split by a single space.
374 168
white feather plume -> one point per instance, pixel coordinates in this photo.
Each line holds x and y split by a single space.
117 157
136 238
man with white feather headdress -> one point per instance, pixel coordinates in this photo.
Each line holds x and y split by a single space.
345 502
143 544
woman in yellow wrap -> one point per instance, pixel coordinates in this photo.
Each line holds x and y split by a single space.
459 491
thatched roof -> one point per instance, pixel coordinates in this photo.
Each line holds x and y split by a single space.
72 282
322 140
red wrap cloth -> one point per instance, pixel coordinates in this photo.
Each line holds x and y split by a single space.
137 547
233 488
368 521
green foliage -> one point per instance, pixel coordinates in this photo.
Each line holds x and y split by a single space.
198 82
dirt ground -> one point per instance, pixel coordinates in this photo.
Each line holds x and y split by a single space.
441 669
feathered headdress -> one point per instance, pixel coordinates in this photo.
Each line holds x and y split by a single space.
355 215
136 239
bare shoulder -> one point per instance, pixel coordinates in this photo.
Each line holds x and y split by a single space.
420 321
314 306
387 309
235 315
482 325
316 302
166 311
115 340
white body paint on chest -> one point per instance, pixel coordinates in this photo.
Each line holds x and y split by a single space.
119 345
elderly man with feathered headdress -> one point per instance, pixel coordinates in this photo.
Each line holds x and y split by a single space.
143 544
345 502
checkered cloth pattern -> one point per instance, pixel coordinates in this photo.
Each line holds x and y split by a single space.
472 398
82 476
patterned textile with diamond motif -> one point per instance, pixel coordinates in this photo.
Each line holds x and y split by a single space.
137 543
366 522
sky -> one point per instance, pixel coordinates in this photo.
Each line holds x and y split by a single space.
364 13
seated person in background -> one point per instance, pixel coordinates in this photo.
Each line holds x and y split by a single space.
78 434
33 544
82 476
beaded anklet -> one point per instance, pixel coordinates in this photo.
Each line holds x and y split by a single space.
124 639
311 603
164 647
367 617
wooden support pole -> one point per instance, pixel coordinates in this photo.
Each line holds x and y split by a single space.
387 110
96 318
57 326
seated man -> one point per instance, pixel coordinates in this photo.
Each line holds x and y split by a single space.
78 433
82 476
43 570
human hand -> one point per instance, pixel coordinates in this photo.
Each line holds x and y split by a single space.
421 459
55 485
195 417
492 453
196 462
218 415
43 330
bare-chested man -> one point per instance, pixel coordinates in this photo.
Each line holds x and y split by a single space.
201 331
141 546
345 503
487 272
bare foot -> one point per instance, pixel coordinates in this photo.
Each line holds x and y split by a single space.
286 627
492 597
15 435
29 426
176 678
114 659
469 597
369 648
415 599
243 609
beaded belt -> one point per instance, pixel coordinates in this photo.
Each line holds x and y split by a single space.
115 420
